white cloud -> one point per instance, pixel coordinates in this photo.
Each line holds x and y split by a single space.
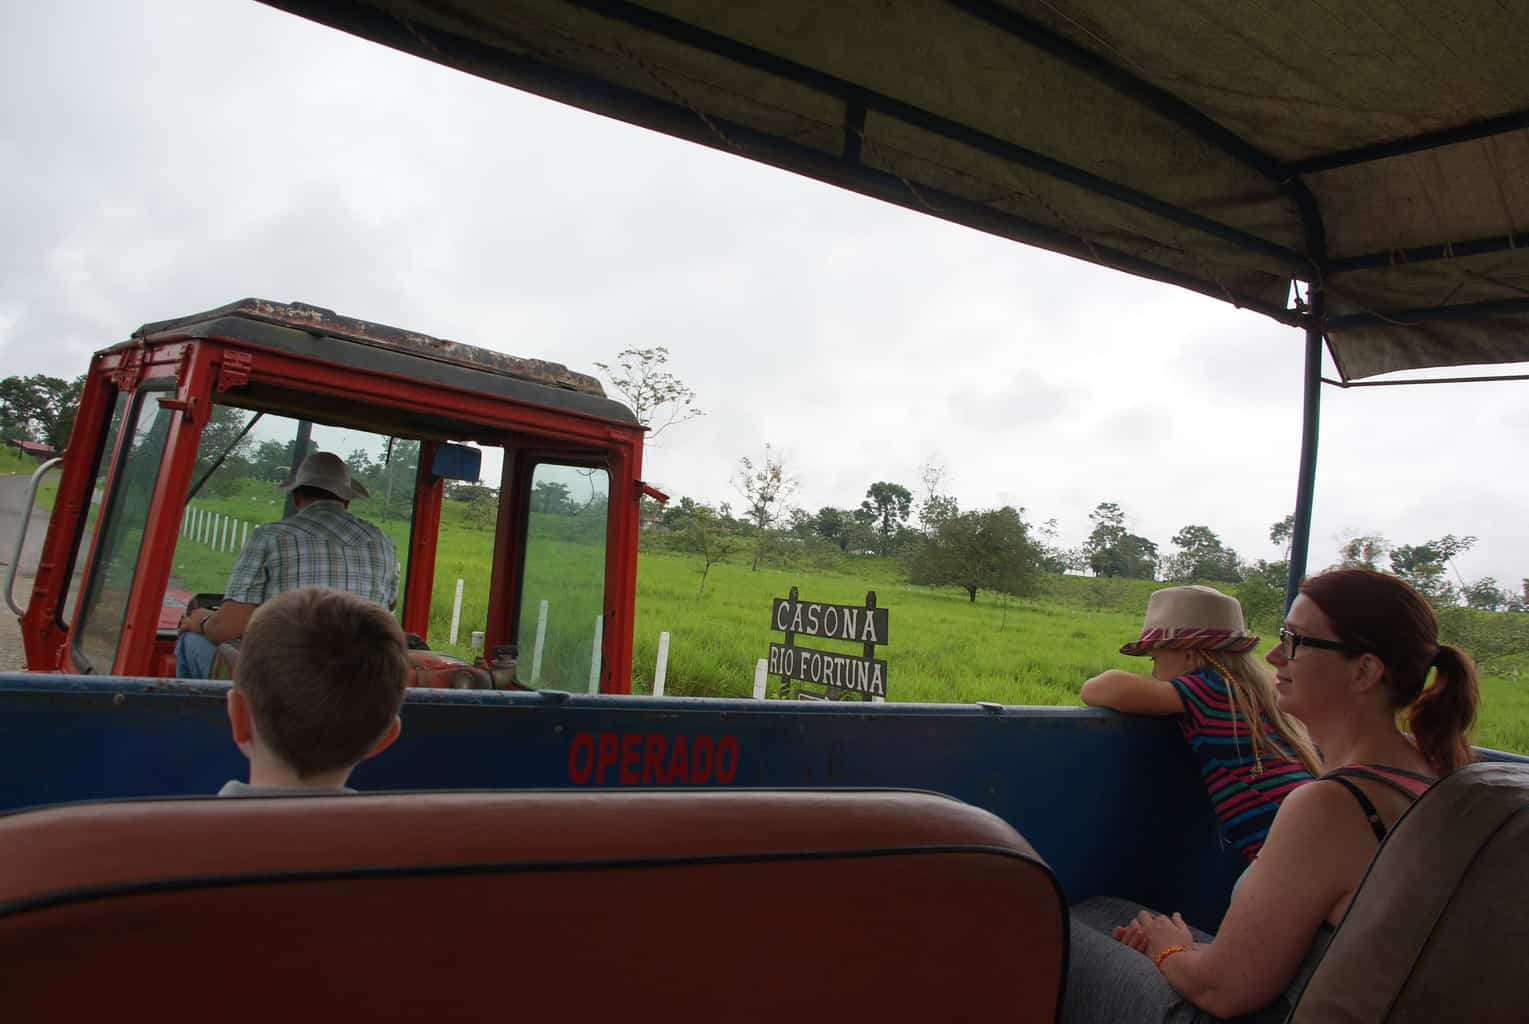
164 157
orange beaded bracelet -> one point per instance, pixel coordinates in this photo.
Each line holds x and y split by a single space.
1165 954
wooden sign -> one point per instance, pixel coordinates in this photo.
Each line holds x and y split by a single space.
841 675
840 671
832 621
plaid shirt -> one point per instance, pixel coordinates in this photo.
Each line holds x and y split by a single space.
321 545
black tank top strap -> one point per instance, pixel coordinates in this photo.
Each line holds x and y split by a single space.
1362 771
1371 815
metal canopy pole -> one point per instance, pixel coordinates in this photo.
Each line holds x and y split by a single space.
299 453
1300 536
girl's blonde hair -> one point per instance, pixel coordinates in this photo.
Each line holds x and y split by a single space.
1252 689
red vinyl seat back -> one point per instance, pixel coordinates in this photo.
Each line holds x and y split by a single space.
779 906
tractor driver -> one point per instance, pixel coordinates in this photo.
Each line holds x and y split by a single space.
321 544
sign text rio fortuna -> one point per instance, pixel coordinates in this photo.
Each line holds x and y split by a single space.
841 675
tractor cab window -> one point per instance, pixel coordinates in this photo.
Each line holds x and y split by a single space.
116 556
242 458
87 528
563 578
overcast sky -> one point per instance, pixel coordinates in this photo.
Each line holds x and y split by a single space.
160 158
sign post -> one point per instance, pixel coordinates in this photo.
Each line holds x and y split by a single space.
841 676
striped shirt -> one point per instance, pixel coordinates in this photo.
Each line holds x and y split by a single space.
1245 801
320 545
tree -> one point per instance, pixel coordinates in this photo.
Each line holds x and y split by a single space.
1283 532
1363 552
1132 557
1112 551
1054 557
657 397
553 498
360 464
1520 601
831 524
39 408
391 480
936 510
1425 565
1485 595
709 539
1109 526
988 550
1202 556
937 506
801 523
1262 595
764 486
221 440
677 514
273 461
887 505
482 507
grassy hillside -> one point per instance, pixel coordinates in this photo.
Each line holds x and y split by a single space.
943 648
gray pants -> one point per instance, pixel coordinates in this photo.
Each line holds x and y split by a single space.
1111 982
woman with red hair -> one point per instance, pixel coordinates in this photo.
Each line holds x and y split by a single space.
1355 653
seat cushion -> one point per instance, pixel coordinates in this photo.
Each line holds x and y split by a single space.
1439 926
740 905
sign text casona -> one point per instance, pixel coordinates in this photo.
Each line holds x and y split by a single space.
829 621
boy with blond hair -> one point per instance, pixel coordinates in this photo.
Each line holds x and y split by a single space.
317 689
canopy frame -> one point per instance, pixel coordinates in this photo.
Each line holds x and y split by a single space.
487 55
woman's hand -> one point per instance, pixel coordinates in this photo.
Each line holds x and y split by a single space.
1161 932
1131 935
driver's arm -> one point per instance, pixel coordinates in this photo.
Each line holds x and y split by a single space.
225 622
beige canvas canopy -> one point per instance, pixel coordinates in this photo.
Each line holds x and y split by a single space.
1356 169
1377 151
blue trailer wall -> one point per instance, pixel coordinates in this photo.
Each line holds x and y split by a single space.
1113 803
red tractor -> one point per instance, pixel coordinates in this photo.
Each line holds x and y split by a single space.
184 427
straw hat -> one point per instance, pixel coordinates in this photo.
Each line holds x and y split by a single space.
1194 618
328 473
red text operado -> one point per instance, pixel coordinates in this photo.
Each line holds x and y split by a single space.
651 759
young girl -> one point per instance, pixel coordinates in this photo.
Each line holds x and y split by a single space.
1250 753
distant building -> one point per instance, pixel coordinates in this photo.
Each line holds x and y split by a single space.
36 449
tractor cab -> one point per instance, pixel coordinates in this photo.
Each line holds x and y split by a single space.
186 430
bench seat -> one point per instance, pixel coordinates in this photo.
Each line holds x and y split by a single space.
780 906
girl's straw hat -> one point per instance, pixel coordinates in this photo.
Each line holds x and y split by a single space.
1194 618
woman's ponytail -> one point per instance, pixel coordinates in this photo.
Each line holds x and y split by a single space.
1441 716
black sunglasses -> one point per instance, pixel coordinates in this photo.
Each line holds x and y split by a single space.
1290 640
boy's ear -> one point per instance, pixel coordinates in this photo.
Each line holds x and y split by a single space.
386 739
240 721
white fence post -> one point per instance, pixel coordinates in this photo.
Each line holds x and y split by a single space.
185 519
223 535
456 611
761 678
244 535
594 656
541 635
201 529
662 668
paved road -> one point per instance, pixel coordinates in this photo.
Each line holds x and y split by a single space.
13 494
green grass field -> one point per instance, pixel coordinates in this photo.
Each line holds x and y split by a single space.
1035 650
13 462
